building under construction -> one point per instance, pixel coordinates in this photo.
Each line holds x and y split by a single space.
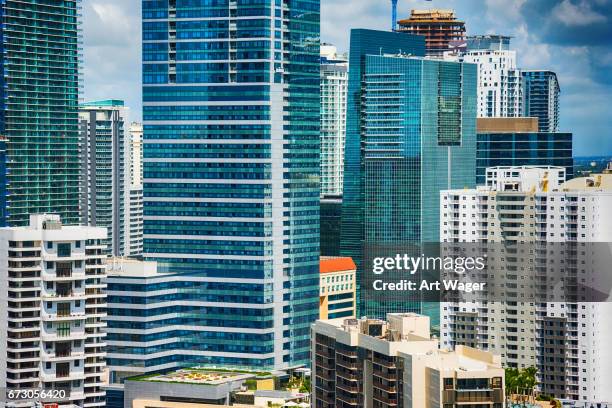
438 26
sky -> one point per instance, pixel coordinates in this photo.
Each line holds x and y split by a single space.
571 37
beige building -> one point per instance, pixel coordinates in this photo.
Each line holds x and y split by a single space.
337 288
376 363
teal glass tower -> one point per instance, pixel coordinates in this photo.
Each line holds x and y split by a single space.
231 179
411 132
40 60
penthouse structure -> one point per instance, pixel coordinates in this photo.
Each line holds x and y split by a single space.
52 328
395 362
440 27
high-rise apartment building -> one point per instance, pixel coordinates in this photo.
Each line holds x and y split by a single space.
231 175
40 107
499 80
334 84
331 219
541 98
3 180
378 363
411 132
517 142
136 229
565 340
54 293
440 28
105 170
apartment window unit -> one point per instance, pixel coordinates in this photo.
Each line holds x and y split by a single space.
63 250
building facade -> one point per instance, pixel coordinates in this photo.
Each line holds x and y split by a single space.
104 152
136 227
231 174
331 218
378 363
3 180
54 333
337 288
334 83
501 143
439 27
40 115
541 98
499 80
411 132
533 206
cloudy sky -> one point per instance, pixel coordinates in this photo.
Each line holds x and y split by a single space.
571 37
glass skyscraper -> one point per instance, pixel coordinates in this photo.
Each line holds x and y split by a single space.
39 108
231 178
523 149
411 132
541 98
2 181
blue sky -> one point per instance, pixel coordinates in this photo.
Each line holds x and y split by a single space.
570 37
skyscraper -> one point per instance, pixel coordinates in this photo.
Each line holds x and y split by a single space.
53 333
440 28
567 341
135 232
334 82
231 175
411 132
3 181
505 142
105 168
39 112
541 98
499 80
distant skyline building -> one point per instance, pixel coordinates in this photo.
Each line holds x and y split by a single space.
136 210
517 142
541 98
231 97
411 132
39 113
334 85
52 325
330 224
105 170
499 79
440 28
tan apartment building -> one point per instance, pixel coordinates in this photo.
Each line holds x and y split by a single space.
337 288
376 363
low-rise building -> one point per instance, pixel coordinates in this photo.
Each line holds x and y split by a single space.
376 363
337 288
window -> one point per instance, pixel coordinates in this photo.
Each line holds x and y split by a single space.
49 245
77 244
449 384
63 329
63 250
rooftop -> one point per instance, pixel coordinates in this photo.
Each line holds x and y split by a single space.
196 376
332 264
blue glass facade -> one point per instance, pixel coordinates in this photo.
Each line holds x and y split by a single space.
523 149
541 98
3 180
231 172
411 132
39 107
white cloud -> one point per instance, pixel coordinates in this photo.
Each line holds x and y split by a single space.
579 14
